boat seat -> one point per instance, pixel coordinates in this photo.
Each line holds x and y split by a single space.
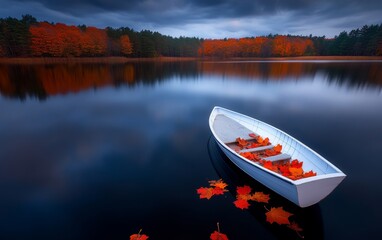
279 157
228 130
257 149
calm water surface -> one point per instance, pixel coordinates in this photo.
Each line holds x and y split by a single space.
99 151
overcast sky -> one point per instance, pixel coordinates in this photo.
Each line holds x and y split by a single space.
207 18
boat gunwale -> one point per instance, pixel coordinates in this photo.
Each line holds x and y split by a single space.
338 172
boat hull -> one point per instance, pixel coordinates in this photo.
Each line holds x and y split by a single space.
304 192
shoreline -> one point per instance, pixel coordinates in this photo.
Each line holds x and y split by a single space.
113 60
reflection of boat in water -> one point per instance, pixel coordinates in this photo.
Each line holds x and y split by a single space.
309 218
226 126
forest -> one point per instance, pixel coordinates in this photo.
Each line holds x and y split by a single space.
26 37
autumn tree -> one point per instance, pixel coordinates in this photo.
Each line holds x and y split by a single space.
94 42
126 47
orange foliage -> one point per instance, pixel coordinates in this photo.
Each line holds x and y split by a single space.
126 47
60 40
282 46
94 42
290 169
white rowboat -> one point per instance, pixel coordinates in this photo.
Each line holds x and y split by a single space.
226 126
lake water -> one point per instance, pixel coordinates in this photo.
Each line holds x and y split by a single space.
99 151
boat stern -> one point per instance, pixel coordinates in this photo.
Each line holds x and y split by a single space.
311 192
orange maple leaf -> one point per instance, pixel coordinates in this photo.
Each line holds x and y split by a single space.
268 165
284 170
270 152
295 172
278 148
247 155
205 192
139 236
278 215
309 174
218 183
245 197
296 164
265 142
241 142
218 191
241 203
260 197
243 190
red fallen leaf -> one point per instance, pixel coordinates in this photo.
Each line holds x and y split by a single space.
268 165
270 152
256 157
217 188
296 172
309 174
265 142
247 155
278 215
243 190
241 203
218 183
252 135
260 197
139 236
241 142
296 164
217 235
218 191
205 192
294 177
251 156
278 148
284 170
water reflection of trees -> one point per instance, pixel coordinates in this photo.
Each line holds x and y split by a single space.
356 74
41 81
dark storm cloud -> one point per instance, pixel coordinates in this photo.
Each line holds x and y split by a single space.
185 17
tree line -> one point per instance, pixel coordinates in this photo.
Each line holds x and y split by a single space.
271 46
27 37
